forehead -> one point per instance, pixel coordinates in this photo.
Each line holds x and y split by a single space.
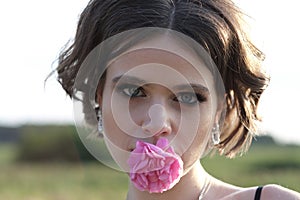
159 58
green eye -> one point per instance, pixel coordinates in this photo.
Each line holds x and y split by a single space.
132 90
190 98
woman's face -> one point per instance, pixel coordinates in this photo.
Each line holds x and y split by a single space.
151 93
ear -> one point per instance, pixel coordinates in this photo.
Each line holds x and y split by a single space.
99 95
221 110
100 89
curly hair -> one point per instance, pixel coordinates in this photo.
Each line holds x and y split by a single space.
215 24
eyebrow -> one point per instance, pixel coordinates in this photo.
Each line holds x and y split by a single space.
139 81
195 86
129 78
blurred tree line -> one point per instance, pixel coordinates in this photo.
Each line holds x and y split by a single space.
46 143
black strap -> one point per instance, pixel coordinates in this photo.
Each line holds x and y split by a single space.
258 193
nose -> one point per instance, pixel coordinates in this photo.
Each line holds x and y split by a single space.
158 123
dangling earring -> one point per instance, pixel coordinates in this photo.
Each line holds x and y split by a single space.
100 123
216 134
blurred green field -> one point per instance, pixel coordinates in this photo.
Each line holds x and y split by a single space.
66 181
263 164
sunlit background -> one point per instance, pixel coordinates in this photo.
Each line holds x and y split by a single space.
41 160
33 32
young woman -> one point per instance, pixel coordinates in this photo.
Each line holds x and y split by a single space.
165 82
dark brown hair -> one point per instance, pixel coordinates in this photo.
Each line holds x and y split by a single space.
215 24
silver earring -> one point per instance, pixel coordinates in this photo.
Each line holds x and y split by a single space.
100 123
216 134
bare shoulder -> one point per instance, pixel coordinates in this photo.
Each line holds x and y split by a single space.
227 191
269 192
273 191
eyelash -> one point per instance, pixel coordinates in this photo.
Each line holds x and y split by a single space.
198 97
125 89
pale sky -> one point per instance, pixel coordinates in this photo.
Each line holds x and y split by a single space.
34 31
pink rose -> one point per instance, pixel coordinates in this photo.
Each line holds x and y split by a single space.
154 168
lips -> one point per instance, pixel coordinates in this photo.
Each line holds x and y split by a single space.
154 168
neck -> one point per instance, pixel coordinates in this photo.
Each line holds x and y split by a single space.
189 187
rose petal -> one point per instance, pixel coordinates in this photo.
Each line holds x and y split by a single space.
154 168
141 165
162 143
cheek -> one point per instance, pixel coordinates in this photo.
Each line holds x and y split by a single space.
192 143
196 149
111 126
137 110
